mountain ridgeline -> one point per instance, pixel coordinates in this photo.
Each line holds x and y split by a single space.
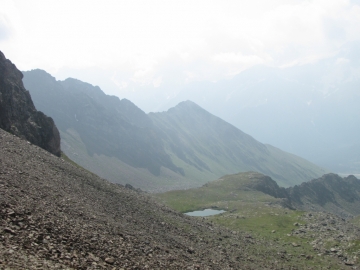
106 125
311 110
181 148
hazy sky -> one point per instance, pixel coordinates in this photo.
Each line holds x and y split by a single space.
199 40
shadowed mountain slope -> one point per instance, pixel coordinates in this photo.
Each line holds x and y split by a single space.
18 114
181 148
214 148
105 125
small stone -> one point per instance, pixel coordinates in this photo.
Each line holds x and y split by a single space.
273 231
8 230
110 260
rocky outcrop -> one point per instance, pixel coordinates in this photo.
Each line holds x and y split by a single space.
330 193
18 114
268 186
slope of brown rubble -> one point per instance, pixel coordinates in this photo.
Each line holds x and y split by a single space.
57 216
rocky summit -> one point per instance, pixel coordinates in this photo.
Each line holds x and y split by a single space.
18 114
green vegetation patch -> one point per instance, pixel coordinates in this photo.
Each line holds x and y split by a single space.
262 216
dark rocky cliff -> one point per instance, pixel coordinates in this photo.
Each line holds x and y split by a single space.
330 193
18 114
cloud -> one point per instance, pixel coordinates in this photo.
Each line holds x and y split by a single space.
200 40
5 27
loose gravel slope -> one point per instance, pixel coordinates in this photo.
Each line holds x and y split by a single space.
57 216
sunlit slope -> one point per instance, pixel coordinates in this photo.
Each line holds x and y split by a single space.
206 146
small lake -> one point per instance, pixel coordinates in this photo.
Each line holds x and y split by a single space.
205 213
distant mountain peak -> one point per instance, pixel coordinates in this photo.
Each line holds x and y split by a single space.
187 106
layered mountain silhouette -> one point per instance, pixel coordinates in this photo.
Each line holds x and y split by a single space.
18 114
183 147
310 110
57 215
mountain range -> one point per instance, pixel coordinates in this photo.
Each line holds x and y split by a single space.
57 215
183 147
310 110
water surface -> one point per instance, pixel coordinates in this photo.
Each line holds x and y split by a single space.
205 213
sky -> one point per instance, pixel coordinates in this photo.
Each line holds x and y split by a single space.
154 42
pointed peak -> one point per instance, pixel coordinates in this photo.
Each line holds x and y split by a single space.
188 104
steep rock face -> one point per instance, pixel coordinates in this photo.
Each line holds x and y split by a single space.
18 114
268 186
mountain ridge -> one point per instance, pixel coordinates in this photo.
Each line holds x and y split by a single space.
213 146
181 148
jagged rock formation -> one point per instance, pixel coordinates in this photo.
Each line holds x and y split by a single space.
18 114
330 193
267 185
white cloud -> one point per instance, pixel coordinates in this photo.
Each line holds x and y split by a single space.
208 39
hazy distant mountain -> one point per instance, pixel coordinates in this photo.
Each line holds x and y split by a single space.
95 127
310 110
184 147
199 139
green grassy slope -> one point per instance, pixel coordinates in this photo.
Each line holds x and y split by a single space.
276 230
